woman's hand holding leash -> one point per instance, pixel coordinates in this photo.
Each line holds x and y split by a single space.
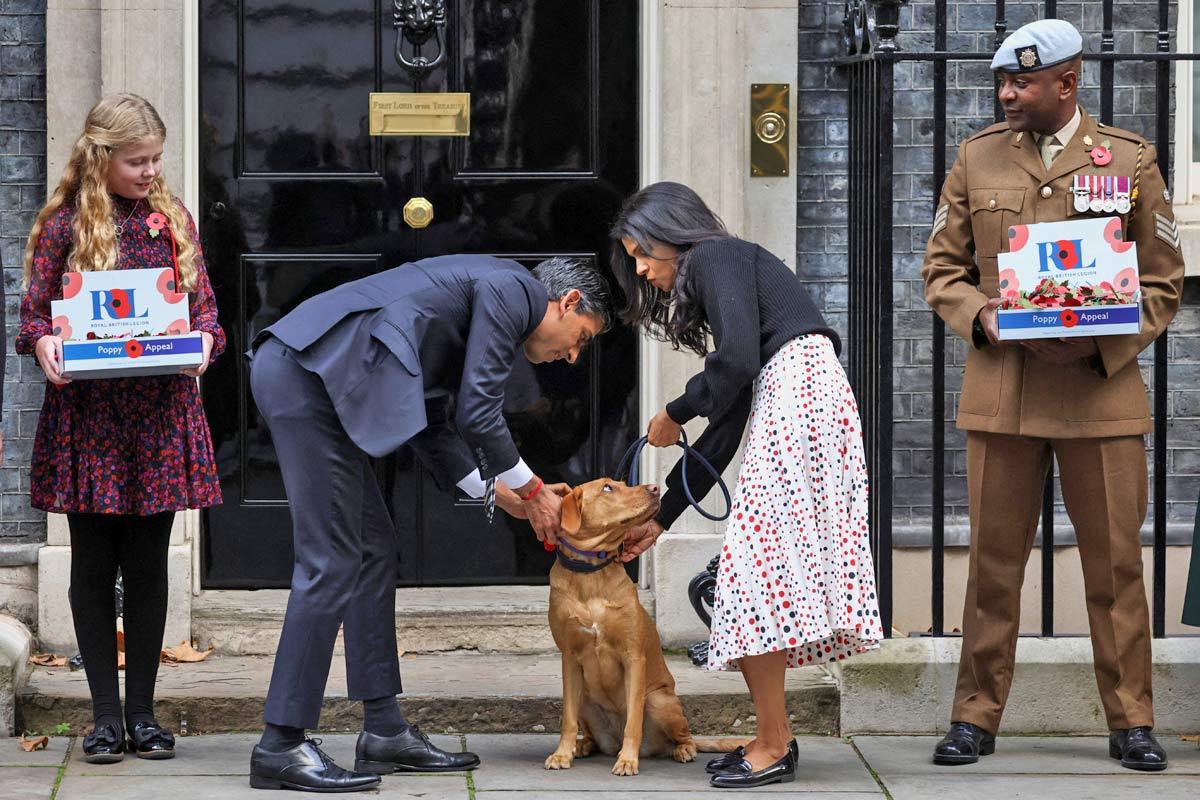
663 431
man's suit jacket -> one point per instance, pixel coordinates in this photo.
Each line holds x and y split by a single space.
385 343
997 181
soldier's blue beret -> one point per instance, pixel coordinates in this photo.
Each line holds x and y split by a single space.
1038 45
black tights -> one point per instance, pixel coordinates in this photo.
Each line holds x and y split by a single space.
100 543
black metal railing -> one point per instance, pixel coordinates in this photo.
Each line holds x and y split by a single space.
871 56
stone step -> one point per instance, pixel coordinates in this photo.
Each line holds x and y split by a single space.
485 619
447 692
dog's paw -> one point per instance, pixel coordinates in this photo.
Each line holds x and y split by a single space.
625 766
584 748
559 761
684 752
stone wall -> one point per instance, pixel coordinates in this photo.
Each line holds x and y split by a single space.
22 192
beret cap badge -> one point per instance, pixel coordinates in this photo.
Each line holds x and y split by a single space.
1028 57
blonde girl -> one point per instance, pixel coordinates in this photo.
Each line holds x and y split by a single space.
120 456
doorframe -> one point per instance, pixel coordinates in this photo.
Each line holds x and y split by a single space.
649 160
650 166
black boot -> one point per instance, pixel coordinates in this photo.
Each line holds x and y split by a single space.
964 743
735 756
407 751
305 767
1137 749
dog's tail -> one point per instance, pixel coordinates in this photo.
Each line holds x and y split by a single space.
719 744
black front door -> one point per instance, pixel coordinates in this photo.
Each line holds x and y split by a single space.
297 198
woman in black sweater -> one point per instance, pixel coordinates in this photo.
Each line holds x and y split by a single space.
795 583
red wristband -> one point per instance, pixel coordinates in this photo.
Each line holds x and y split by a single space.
533 493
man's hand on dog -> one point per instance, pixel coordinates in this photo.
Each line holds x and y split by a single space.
640 539
663 431
543 509
511 504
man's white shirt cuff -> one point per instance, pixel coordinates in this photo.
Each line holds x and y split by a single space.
517 476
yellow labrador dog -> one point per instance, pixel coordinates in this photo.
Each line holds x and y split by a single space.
617 690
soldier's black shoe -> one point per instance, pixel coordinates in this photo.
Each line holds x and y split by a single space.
407 751
964 743
306 768
1137 749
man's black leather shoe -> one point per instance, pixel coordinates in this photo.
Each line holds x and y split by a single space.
1138 749
407 751
104 745
151 740
737 754
964 743
742 776
305 767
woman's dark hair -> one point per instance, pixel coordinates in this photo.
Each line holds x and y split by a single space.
664 213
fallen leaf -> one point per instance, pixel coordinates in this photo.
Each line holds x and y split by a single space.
47 660
37 743
1194 739
184 653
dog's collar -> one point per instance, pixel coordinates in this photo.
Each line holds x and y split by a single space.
585 566
585 553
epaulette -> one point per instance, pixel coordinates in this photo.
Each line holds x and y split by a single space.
1120 133
999 127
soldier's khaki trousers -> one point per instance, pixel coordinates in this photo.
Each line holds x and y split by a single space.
1104 489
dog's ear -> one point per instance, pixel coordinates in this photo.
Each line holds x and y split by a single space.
571 516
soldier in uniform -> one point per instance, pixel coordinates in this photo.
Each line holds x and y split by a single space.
1081 400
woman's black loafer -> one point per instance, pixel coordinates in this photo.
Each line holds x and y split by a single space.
104 745
151 740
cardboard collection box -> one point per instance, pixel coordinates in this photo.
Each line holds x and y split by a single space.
121 323
1072 278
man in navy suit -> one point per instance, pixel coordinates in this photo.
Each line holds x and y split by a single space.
344 377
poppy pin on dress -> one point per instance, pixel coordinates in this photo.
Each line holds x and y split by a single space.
155 222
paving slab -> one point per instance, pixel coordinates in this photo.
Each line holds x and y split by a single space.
27 783
1044 787
895 756
222 754
446 692
231 787
514 764
801 792
11 754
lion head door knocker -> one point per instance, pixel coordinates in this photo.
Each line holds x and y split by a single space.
418 21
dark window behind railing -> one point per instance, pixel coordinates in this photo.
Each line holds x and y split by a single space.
871 54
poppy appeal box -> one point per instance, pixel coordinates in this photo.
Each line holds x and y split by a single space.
126 322
1073 278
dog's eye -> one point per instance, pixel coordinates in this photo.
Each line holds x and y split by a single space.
607 487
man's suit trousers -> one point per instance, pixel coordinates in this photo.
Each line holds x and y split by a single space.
345 548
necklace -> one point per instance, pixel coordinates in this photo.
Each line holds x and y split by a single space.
120 227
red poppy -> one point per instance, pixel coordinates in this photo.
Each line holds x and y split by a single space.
1069 318
133 348
156 221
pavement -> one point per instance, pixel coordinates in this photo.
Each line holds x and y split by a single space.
214 767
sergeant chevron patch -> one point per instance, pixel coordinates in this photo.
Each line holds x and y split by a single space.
939 220
1167 230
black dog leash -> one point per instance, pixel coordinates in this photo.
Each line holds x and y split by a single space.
629 468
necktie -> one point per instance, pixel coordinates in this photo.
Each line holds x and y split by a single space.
1049 148
489 499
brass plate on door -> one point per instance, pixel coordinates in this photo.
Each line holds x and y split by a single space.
420 114
769 115
418 212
